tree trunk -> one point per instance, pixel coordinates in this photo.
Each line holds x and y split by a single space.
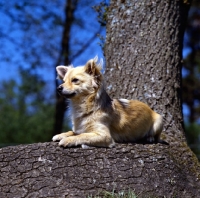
143 57
143 53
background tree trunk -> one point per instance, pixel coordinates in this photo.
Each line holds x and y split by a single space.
64 58
143 53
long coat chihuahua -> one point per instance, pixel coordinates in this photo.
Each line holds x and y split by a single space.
99 120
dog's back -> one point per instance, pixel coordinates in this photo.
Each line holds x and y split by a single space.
133 120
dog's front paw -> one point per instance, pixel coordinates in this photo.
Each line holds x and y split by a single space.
62 135
57 137
62 140
67 142
66 139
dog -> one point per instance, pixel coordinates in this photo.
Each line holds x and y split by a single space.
99 120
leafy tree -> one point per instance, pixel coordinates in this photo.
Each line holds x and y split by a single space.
27 114
31 35
193 137
191 77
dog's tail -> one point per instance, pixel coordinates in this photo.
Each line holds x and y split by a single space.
157 125
156 129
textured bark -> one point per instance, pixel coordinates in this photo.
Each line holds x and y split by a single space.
46 170
143 53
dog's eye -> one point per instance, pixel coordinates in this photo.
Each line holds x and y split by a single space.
75 80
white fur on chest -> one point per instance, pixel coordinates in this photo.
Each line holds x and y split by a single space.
80 126
82 120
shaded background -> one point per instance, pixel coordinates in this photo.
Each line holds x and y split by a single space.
36 36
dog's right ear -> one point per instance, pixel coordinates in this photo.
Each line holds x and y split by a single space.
92 67
61 71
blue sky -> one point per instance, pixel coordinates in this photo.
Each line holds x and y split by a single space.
15 40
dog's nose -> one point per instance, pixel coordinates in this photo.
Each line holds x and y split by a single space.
60 88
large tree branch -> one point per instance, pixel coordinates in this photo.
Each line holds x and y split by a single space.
46 170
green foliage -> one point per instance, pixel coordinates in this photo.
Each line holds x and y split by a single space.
27 112
191 66
193 137
191 77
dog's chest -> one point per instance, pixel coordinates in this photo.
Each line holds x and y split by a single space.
82 125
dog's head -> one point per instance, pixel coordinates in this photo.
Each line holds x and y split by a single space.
80 81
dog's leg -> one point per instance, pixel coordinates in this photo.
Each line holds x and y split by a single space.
89 139
62 136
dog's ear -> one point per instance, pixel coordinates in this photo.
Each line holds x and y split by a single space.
92 67
61 71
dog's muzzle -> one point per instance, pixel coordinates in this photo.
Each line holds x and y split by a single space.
65 93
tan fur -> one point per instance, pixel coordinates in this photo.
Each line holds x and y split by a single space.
97 119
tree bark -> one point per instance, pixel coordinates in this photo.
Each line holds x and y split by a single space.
46 170
143 57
